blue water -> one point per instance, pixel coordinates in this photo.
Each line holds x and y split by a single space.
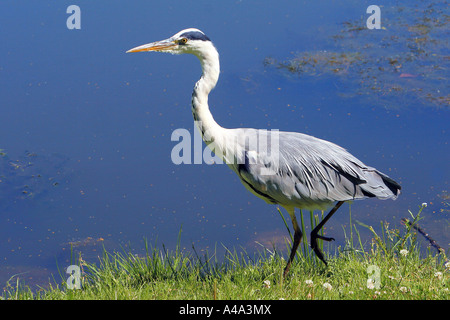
86 129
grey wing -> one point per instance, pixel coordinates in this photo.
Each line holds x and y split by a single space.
295 169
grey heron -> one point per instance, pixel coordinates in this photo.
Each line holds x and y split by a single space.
290 169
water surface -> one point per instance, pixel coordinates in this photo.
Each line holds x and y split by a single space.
85 129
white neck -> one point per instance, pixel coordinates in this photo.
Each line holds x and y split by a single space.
209 59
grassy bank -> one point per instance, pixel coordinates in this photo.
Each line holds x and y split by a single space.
390 267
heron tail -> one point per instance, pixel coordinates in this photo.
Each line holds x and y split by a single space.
378 185
391 184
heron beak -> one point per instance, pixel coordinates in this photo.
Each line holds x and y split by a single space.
160 46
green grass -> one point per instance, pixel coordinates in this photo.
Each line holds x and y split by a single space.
393 259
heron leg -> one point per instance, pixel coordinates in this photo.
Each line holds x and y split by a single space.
297 239
315 235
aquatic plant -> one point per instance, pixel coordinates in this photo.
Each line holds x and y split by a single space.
405 63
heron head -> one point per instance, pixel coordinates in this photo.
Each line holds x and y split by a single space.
186 41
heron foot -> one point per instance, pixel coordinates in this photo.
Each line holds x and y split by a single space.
315 232
324 238
315 247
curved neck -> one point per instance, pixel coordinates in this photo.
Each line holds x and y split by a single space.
209 60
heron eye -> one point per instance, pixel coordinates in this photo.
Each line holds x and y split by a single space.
182 41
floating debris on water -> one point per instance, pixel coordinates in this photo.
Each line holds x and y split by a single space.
29 176
85 242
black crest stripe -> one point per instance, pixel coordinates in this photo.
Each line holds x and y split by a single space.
195 35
